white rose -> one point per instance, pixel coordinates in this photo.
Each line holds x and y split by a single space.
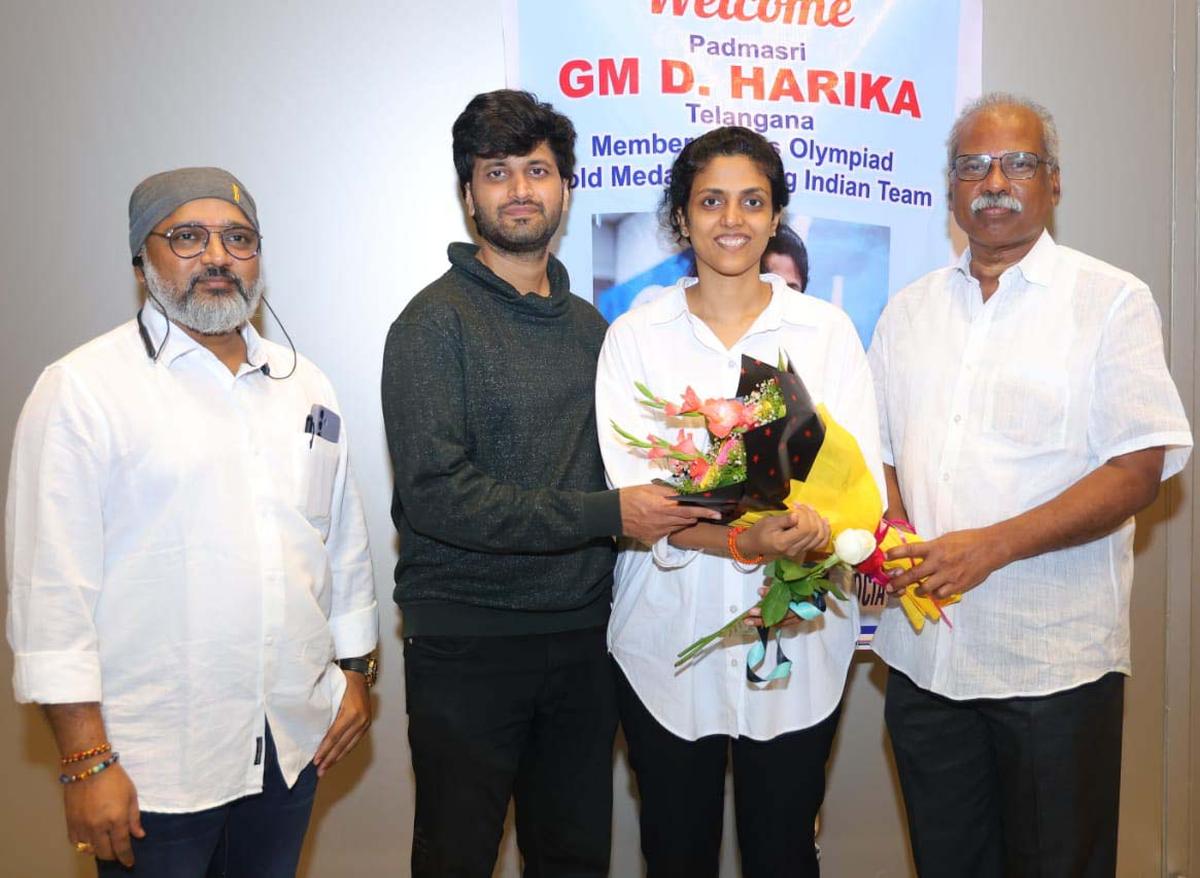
854 546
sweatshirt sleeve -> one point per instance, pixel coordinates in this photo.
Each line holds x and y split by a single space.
439 490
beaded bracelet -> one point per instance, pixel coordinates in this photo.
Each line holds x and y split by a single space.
734 533
95 769
86 754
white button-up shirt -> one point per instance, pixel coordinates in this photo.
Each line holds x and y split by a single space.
988 409
668 597
183 552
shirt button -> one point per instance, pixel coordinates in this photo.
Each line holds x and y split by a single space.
733 608
733 663
958 419
945 477
268 640
732 364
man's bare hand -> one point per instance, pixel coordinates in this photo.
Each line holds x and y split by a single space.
350 724
102 811
648 515
953 563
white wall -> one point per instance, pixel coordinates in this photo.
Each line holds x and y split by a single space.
338 120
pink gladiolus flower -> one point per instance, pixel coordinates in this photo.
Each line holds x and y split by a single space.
684 444
655 451
722 415
691 403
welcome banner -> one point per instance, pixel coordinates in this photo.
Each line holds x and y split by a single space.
857 96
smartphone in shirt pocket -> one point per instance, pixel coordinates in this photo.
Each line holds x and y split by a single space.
316 458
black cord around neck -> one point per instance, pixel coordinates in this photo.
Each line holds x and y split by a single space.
291 344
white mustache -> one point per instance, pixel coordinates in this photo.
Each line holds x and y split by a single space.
996 199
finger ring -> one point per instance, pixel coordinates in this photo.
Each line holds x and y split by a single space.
82 847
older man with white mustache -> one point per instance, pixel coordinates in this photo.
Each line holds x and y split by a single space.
1026 414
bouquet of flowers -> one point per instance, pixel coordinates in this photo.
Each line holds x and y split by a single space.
770 448
766 436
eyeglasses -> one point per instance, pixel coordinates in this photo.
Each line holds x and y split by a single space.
188 242
1015 165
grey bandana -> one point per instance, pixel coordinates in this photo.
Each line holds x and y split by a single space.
157 197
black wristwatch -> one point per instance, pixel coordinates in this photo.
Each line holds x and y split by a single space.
364 664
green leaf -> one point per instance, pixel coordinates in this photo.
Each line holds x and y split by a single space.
629 437
789 571
836 592
801 588
775 604
651 399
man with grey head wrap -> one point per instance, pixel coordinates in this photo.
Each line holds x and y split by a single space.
187 558
1026 414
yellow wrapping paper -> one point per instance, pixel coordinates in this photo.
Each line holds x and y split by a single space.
841 489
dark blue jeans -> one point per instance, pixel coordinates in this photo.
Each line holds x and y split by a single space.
257 836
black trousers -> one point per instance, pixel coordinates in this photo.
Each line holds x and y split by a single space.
1010 786
778 789
491 718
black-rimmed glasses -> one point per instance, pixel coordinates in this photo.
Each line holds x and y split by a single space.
1015 165
189 241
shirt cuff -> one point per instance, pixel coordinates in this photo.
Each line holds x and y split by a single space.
56 677
355 633
669 557
602 514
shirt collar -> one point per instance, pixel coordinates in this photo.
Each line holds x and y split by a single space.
176 343
786 305
1037 266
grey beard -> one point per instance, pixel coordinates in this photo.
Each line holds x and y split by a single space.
209 316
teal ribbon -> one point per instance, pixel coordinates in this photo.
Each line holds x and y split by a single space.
758 653
805 610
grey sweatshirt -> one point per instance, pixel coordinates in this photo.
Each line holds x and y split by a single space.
500 503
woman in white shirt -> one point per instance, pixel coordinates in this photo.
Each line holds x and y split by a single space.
725 199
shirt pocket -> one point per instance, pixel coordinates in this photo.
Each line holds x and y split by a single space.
1028 405
316 462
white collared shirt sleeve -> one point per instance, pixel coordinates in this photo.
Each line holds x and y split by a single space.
354 613
55 533
851 396
619 369
877 356
1134 401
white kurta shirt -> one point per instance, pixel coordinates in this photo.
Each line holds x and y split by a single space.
179 553
667 598
990 409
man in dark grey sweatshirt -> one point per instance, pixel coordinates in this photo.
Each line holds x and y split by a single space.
506 529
